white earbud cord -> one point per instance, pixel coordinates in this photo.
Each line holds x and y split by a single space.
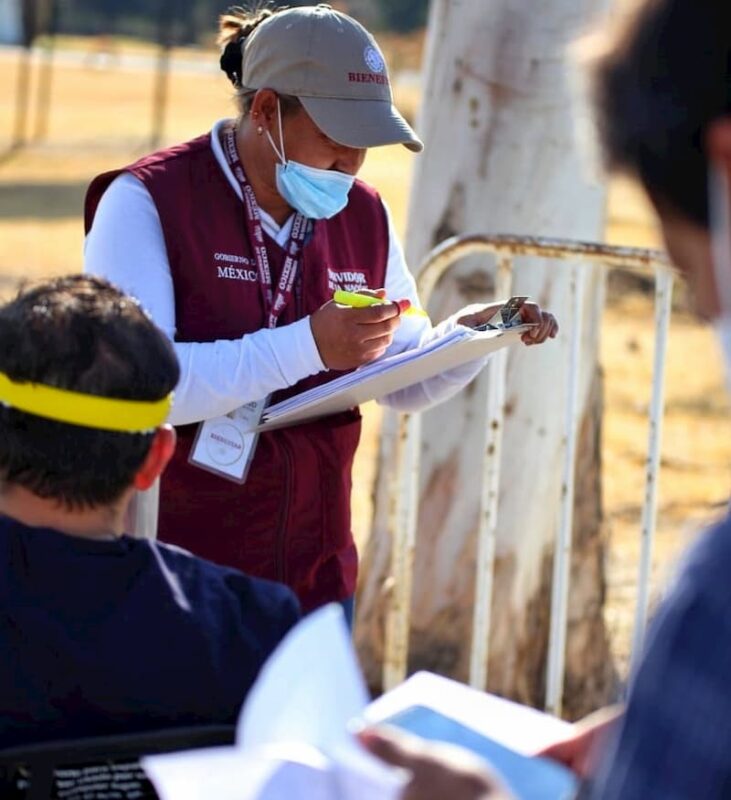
278 150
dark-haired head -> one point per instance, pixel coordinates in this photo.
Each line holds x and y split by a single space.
664 81
663 100
82 334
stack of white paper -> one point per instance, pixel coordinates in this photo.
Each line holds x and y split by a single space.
293 742
387 375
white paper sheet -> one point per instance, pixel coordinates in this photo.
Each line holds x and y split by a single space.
512 725
309 690
292 737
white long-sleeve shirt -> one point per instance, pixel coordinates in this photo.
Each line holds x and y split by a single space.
126 246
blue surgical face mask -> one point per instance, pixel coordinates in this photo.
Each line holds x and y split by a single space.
720 208
315 193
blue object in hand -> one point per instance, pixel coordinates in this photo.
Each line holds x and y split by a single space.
528 778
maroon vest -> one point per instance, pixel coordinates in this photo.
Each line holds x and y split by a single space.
290 521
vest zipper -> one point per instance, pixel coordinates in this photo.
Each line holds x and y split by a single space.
281 536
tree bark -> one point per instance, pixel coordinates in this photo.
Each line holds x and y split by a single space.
503 157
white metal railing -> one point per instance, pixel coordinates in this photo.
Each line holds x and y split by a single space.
404 493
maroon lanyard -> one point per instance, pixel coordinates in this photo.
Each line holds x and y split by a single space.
275 304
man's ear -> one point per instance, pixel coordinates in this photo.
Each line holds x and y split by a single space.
160 453
718 143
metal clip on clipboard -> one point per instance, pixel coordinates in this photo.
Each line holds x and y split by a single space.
507 316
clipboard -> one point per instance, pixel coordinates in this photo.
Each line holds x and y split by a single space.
387 375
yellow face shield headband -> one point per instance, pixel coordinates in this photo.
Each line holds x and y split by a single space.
87 410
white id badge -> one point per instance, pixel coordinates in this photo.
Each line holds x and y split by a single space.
226 445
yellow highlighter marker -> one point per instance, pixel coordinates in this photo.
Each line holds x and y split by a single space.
355 300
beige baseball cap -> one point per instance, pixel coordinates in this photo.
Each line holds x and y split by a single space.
334 66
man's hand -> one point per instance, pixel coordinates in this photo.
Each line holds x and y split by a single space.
349 337
438 772
582 751
546 324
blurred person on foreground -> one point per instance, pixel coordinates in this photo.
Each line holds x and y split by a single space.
663 98
101 633
236 242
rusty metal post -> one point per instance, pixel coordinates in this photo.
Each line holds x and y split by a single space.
45 78
22 98
403 509
663 310
167 11
562 552
487 532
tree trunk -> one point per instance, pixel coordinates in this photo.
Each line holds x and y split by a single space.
502 157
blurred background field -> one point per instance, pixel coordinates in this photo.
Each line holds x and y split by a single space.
100 118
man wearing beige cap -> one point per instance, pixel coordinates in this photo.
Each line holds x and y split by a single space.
235 243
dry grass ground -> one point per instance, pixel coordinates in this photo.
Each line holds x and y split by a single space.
100 118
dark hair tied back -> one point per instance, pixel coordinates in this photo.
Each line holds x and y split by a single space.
231 60
235 26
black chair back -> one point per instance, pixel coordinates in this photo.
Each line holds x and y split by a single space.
104 768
